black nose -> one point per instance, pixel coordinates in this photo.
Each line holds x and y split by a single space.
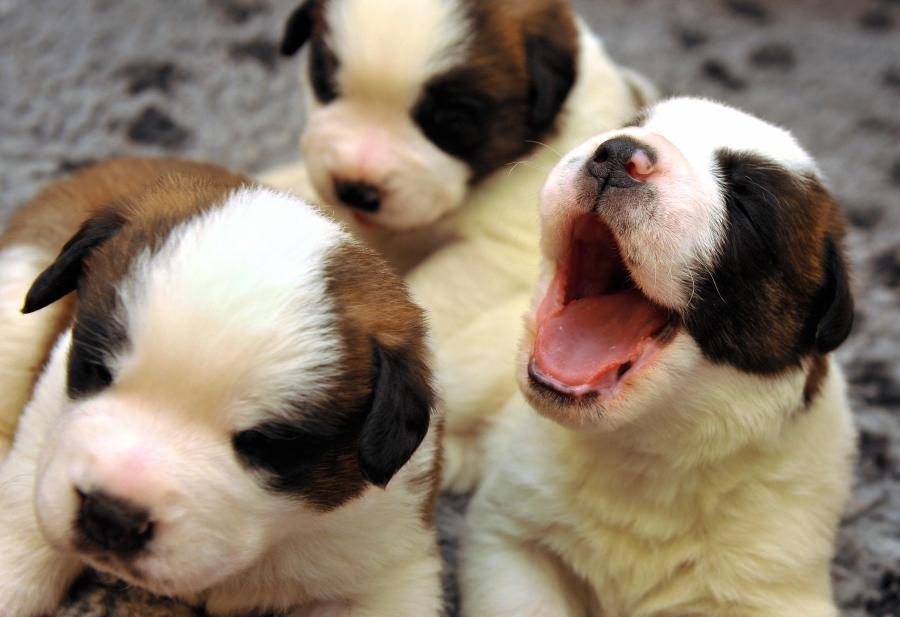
359 195
112 524
610 163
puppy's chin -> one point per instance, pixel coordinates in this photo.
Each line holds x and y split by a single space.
604 411
143 574
640 394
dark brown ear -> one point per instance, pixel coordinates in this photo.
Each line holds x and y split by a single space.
835 302
551 70
61 277
298 28
400 414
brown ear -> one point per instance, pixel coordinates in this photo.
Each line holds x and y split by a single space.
551 61
400 414
62 276
835 302
298 28
551 71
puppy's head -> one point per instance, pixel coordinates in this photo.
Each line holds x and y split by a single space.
687 255
238 368
411 101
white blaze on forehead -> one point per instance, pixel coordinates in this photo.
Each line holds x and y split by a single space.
235 304
700 127
389 48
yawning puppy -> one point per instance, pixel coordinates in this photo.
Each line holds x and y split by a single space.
419 113
693 445
230 408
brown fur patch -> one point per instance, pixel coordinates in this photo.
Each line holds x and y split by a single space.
496 65
763 305
429 483
164 193
373 307
815 377
332 450
144 190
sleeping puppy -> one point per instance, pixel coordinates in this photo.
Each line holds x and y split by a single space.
693 445
431 125
233 409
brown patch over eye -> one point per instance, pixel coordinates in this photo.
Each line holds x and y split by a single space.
779 289
379 407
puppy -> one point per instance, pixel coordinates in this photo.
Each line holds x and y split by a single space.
693 445
431 124
234 409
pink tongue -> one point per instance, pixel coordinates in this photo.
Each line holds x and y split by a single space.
586 339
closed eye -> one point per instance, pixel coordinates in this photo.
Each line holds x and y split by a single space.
93 341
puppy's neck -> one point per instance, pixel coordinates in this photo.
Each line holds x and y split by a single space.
717 418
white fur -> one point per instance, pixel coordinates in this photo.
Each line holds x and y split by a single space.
23 338
727 509
681 235
225 322
473 269
698 489
724 126
209 280
35 575
387 51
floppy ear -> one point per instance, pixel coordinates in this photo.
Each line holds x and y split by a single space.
551 69
298 28
836 302
61 277
400 414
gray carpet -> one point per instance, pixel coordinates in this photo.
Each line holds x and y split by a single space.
81 80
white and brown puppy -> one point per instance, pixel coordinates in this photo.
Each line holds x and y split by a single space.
692 447
418 113
233 409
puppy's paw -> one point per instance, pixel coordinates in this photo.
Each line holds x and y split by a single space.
25 594
33 577
463 463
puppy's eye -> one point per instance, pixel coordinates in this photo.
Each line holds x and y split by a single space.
87 375
323 65
454 124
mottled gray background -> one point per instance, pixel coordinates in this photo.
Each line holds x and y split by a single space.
84 79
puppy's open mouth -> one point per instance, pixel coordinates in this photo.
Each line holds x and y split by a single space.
365 221
595 328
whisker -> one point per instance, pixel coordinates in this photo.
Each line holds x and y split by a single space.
540 143
713 279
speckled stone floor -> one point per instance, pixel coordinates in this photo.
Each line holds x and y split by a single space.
84 79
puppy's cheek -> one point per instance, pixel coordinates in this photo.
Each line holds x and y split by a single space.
423 190
318 156
55 498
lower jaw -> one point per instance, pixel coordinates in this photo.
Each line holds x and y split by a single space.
611 387
365 221
604 389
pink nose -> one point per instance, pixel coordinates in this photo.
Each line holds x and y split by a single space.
640 167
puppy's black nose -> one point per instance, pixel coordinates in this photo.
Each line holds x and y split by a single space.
621 162
112 524
358 195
